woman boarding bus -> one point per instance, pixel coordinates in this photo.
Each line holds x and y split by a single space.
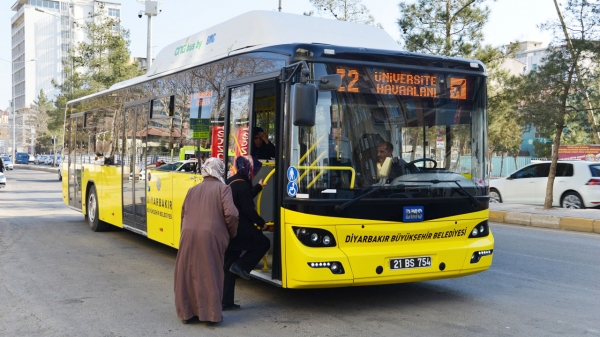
332 95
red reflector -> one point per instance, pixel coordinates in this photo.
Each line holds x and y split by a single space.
161 229
593 182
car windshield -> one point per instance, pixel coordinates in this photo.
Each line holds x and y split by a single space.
5 159
430 124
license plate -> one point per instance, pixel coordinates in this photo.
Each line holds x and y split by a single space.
410 262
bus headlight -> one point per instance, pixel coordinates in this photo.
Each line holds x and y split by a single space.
314 237
482 229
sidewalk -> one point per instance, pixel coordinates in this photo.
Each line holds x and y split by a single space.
580 220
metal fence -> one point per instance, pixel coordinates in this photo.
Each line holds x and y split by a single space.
504 166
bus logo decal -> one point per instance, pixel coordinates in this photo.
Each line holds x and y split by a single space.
413 213
211 38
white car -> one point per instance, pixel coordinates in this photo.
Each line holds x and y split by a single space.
577 185
8 164
179 166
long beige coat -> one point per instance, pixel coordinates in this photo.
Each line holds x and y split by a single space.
209 219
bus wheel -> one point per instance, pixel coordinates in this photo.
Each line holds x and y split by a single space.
93 218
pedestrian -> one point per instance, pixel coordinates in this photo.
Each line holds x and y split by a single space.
250 237
209 219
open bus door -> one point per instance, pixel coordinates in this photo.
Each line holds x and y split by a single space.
255 102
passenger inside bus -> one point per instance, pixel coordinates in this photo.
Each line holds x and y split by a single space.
262 148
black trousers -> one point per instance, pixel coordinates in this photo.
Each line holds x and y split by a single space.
247 262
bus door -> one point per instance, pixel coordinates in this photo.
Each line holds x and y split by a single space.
75 162
252 104
134 168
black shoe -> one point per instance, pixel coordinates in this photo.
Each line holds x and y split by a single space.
227 307
239 271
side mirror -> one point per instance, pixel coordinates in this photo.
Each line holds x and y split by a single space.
303 104
510 177
329 82
384 171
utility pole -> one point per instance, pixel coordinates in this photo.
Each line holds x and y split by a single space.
151 10
588 102
54 149
280 5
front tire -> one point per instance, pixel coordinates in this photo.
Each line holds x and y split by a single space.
92 216
572 200
495 196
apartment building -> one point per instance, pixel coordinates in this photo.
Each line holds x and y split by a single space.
43 31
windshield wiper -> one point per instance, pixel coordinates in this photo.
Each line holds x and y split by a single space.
340 208
476 203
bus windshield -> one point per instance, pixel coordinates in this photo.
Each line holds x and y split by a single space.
430 123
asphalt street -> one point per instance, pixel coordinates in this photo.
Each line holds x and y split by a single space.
58 278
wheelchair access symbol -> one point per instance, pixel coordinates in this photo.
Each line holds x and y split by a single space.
292 173
292 189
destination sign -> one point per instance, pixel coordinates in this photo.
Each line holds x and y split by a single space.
400 83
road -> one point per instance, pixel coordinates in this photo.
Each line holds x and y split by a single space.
57 278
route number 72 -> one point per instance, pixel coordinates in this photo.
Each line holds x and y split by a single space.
351 75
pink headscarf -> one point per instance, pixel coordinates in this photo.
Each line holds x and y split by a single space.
247 166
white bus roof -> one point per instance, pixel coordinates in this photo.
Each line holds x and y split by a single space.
259 29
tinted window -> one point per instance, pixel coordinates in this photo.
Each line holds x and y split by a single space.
564 170
595 170
527 172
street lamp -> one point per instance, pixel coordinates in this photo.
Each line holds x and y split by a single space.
14 107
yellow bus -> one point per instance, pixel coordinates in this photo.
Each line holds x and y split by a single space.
380 168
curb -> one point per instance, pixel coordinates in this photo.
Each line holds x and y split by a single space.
546 221
34 167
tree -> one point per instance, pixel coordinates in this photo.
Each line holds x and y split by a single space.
103 61
39 120
94 65
345 10
443 27
551 97
504 131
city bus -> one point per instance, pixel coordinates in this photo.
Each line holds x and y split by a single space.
380 168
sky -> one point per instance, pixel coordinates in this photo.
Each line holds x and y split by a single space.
509 20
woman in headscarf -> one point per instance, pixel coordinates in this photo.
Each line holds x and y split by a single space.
209 219
250 237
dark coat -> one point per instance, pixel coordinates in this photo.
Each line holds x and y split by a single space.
243 198
266 151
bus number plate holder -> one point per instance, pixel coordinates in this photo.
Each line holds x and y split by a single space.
410 262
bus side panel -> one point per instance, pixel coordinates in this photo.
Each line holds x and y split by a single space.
107 180
160 207
182 182
65 181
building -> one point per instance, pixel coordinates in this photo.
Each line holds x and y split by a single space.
531 53
44 31
530 56
4 131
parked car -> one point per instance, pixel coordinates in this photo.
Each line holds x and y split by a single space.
39 159
22 158
49 160
8 164
2 180
178 166
31 158
576 185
